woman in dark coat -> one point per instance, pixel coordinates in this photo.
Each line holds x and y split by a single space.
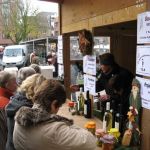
23 97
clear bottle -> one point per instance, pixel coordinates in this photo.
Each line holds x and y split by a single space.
81 102
107 119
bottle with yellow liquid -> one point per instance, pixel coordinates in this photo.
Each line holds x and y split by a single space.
107 119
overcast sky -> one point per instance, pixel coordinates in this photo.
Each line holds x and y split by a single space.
44 6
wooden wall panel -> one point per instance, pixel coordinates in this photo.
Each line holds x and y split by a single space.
77 10
145 130
117 16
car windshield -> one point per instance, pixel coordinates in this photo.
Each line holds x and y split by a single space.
13 52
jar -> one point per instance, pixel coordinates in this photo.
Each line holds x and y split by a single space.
99 133
91 127
71 105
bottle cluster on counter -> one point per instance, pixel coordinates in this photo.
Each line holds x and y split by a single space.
83 106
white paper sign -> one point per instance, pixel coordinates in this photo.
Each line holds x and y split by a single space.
146 103
60 70
145 91
60 42
60 50
143 28
89 84
89 64
143 60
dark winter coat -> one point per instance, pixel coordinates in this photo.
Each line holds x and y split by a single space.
102 79
126 79
15 103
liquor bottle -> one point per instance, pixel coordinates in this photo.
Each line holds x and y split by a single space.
117 122
107 119
96 103
120 118
81 102
113 112
87 106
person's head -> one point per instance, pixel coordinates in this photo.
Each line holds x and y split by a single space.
30 85
8 81
50 95
36 67
35 60
23 73
107 62
86 42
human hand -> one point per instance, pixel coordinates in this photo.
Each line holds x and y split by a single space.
104 97
74 88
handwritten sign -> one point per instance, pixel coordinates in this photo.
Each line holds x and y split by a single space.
89 84
143 60
143 28
145 92
89 64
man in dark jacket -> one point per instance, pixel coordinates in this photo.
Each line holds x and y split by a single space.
108 69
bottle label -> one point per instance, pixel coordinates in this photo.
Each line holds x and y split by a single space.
104 125
85 109
78 107
117 125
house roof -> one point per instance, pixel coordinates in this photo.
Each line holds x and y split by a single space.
5 42
55 1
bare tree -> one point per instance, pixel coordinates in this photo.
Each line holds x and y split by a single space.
19 20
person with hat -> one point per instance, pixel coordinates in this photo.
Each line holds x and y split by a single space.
115 80
108 69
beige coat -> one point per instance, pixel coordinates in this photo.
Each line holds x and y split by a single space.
52 136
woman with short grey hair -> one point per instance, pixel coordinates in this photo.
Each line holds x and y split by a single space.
36 67
23 73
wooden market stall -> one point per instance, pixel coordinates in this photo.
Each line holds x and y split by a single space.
116 19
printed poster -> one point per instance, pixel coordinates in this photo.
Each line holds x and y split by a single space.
143 28
143 60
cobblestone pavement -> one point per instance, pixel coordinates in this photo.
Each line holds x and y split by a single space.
78 120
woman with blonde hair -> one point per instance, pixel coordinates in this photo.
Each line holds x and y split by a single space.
23 97
40 127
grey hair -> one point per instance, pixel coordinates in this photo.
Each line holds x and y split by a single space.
36 67
5 77
23 73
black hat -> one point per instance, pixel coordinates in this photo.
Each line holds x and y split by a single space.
107 59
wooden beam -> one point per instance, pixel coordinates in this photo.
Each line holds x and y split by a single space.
55 1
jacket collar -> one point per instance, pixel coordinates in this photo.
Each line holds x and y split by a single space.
32 116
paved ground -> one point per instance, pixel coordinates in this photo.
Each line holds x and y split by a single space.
78 120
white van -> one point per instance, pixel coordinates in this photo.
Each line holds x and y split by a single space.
15 56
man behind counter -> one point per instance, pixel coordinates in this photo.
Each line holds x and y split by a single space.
108 69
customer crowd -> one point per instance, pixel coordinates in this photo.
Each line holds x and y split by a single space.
28 114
